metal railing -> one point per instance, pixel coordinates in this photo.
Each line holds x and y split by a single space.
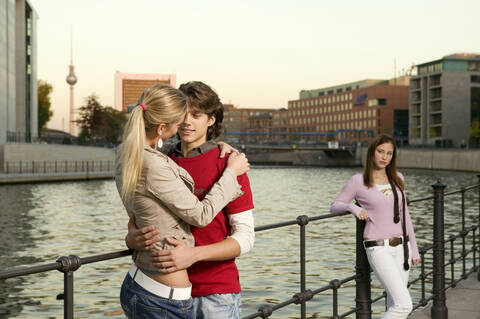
363 300
56 167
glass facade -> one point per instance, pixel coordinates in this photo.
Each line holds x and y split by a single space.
18 104
7 68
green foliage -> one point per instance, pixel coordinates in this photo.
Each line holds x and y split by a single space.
44 113
98 123
475 129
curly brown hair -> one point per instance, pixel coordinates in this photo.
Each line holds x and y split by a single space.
202 98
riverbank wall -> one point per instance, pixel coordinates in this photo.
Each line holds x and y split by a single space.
53 152
436 159
302 158
35 163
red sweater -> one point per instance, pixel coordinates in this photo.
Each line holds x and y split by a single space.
209 277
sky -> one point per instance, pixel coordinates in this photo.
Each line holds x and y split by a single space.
254 53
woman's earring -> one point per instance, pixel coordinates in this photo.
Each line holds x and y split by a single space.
160 143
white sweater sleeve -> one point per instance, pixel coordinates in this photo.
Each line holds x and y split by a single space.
243 230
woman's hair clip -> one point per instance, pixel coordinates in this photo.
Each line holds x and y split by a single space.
143 106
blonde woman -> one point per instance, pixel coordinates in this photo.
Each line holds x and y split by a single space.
159 193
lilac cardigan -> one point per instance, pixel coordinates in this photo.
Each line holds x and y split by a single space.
380 224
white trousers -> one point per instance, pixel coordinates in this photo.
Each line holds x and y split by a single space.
387 264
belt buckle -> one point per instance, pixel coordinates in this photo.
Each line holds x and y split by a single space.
395 241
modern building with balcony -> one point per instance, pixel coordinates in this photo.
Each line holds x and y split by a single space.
445 101
18 72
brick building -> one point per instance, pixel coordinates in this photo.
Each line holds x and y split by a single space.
128 86
354 111
238 120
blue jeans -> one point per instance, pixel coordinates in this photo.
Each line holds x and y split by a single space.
140 303
218 306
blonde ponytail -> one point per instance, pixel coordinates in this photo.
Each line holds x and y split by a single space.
132 152
161 104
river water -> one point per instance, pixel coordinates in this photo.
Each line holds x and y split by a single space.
44 221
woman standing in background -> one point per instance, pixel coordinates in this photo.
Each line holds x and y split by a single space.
389 237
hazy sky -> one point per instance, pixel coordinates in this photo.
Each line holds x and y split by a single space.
253 53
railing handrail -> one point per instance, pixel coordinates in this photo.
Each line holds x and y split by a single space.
68 264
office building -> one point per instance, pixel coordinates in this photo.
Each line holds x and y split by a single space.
445 101
18 72
353 111
242 120
128 86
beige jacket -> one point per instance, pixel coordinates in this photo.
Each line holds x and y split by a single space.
164 198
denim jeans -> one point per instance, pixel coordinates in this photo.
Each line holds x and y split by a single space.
218 306
387 264
140 303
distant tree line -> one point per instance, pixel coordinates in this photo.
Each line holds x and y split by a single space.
99 125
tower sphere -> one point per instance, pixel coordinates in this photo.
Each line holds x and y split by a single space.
71 79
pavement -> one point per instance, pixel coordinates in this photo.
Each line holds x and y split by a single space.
463 301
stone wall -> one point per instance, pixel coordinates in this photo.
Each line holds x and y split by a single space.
54 152
449 159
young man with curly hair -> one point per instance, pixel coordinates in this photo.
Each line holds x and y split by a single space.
211 263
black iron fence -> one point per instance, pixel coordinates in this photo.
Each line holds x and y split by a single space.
56 167
57 137
434 274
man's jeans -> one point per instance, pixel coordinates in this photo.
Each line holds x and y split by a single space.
218 306
140 303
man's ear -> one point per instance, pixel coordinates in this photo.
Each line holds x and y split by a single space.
211 120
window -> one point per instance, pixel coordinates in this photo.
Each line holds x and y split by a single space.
349 88
321 93
475 79
339 90
330 92
382 101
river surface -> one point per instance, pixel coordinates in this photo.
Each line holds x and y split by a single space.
41 222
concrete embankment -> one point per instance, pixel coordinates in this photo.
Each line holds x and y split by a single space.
33 163
53 152
440 159
303 158
52 177
452 160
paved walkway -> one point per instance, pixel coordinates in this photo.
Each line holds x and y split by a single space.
463 301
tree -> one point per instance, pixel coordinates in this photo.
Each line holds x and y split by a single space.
44 113
115 121
475 129
98 123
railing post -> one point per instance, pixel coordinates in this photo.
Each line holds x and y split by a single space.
69 265
439 309
478 273
363 297
423 301
464 234
335 285
302 221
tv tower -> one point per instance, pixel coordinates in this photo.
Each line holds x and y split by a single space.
71 80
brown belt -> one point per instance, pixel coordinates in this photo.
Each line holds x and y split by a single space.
394 241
